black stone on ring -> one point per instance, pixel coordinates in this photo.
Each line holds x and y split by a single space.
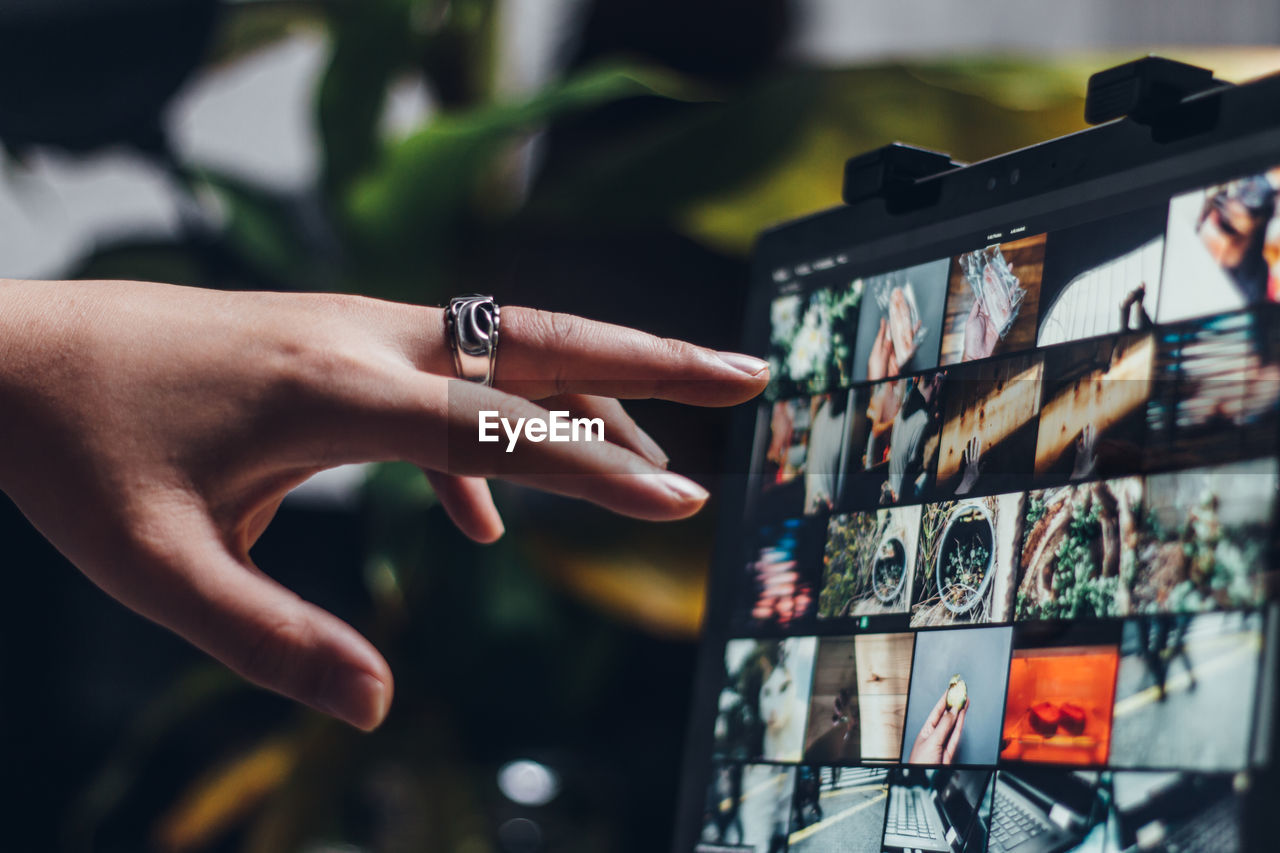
471 327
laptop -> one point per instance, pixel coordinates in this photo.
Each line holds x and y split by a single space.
939 810
1022 401
1039 811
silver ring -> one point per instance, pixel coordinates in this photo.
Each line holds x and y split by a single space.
471 327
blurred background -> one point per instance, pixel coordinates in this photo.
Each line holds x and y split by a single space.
613 158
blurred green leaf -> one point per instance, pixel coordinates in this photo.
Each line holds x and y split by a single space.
411 204
372 42
261 227
703 150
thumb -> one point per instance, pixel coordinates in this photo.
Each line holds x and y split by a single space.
229 608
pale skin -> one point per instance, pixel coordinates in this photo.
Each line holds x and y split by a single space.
939 737
150 432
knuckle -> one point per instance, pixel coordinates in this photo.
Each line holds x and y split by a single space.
548 329
673 351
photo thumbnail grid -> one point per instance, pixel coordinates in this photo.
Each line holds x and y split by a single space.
853 741
1010 548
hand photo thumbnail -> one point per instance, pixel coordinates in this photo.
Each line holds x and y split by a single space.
1103 277
1222 248
1093 419
989 435
893 441
993 299
900 322
941 733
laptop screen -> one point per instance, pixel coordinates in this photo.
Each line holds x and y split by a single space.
1008 504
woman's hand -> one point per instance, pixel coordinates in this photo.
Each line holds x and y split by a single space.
939 737
151 432
980 334
902 329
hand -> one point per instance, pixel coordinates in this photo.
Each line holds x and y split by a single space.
995 298
151 432
971 459
939 737
901 329
881 362
980 334
781 428
1086 453
886 400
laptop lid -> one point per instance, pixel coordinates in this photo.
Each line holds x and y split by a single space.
1040 390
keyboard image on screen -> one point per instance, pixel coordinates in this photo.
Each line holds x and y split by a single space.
1012 824
908 816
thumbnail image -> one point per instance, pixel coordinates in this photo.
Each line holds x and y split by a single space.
989 435
883 663
993 297
867 564
1050 810
748 809
1079 550
834 735
779 583
1102 277
900 323
761 710
1178 811
938 809
1062 682
1093 417
1186 691
1222 248
849 704
1204 541
801 464
811 340
1215 392
956 704
965 569
838 809
893 442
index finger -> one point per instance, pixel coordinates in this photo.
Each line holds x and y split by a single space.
953 742
936 714
543 353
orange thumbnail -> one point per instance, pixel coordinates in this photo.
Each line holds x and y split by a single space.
1059 705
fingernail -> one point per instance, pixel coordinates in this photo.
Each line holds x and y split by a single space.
650 449
684 488
744 363
353 696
